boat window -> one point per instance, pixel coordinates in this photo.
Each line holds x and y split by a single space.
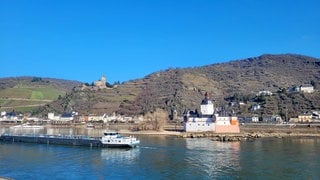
110 133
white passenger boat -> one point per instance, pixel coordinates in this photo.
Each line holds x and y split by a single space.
114 139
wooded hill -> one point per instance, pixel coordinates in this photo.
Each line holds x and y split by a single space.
179 89
227 83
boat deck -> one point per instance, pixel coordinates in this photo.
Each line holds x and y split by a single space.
74 140
71 140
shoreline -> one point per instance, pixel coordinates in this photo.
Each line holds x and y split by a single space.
222 137
247 132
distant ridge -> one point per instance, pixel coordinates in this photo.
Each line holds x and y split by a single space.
179 89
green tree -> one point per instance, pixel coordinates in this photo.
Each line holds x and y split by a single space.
36 79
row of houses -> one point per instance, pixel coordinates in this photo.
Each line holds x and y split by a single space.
256 119
75 117
309 117
10 117
68 117
13 117
304 88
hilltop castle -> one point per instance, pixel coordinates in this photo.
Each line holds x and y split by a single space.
102 83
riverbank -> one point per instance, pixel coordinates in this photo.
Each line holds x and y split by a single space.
248 132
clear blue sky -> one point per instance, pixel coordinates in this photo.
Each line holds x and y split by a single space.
84 39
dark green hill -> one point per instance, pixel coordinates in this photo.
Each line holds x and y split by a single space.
180 89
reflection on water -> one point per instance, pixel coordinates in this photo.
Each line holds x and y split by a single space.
283 158
165 158
115 155
307 141
214 158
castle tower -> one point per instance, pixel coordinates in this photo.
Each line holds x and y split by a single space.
207 107
102 83
103 79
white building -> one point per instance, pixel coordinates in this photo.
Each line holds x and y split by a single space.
255 119
93 117
306 88
207 121
11 117
63 117
51 116
266 93
256 107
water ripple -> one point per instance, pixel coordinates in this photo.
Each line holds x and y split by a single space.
165 158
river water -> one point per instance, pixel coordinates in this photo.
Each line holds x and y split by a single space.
165 157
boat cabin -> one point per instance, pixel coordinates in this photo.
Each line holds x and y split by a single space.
111 133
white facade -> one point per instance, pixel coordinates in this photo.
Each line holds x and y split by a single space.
255 119
51 116
256 107
306 88
95 118
207 121
195 124
207 109
267 93
66 118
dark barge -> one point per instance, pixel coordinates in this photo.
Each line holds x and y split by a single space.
72 140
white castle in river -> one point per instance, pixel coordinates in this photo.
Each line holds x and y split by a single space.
208 121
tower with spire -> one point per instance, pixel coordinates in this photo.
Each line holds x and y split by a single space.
206 106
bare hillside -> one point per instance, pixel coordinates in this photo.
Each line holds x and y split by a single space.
181 89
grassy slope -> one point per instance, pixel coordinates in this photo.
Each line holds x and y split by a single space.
24 98
32 93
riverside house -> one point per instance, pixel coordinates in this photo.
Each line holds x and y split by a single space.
306 88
